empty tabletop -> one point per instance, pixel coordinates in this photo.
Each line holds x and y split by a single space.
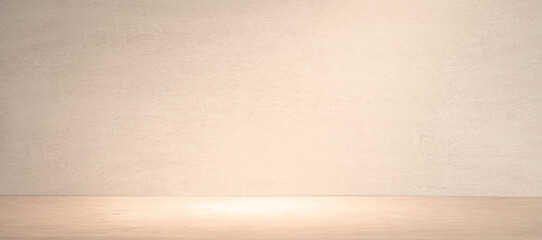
380 218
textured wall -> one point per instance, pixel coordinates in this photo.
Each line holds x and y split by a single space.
271 97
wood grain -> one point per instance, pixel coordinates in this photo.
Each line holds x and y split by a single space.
270 218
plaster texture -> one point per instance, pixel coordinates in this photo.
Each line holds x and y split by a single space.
229 98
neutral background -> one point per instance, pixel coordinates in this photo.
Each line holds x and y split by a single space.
271 97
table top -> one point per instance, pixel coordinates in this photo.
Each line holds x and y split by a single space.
382 218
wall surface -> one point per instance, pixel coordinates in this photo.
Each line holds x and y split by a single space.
194 97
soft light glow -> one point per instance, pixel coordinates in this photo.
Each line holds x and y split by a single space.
256 206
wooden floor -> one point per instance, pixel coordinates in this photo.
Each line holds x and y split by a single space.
378 218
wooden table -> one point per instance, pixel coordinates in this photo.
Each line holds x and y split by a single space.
270 218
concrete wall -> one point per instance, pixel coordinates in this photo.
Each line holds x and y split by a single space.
402 97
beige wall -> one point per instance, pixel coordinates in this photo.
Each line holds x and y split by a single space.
271 97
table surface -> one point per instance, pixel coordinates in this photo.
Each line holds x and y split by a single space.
379 218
